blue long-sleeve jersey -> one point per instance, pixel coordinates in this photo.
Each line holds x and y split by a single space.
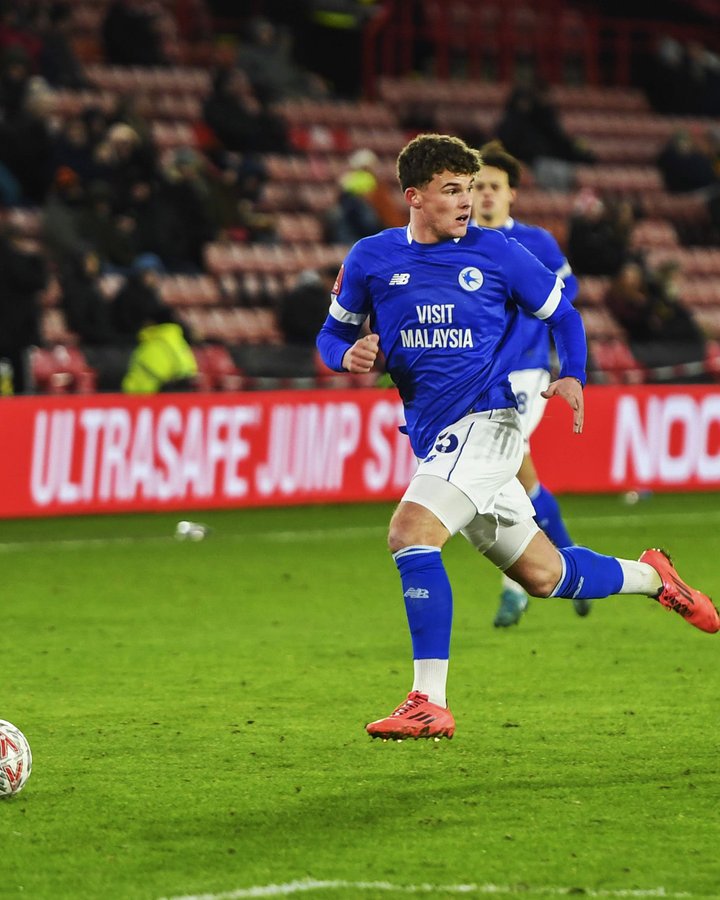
446 316
533 336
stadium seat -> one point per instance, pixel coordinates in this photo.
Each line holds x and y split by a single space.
708 318
269 366
216 369
712 359
599 323
614 362
61 370
592 290
700 292
653 233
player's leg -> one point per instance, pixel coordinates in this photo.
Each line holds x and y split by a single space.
527 385
469 465
548 571
416 538
547 509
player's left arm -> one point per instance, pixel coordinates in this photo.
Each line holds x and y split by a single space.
568 333
541 293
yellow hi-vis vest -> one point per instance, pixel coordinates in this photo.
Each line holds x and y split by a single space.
162 356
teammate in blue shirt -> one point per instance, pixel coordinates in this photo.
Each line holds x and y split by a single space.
442 302
495 191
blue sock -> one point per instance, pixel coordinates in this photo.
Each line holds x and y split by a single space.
428 600
588 574
549 517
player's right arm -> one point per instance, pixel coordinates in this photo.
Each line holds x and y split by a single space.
342 346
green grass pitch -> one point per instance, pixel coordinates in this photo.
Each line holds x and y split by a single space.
196 715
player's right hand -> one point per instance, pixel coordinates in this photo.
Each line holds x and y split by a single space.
360 358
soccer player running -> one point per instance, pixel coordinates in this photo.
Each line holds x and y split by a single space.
442 300
495 191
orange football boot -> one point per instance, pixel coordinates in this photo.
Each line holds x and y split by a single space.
675 594
415 718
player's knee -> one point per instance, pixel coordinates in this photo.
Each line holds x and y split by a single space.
539 570
541 582
413 525
399 536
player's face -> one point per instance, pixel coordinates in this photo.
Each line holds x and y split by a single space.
440 210
493 197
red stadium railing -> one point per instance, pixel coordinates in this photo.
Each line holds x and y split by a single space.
463 38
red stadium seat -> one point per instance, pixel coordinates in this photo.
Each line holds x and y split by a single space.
216 369
61 370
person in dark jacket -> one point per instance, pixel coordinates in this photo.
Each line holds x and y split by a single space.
87 313
139 301
23 275
238 120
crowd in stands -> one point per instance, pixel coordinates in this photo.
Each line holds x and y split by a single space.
683 78
113 203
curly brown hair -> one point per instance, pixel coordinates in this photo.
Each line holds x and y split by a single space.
429 154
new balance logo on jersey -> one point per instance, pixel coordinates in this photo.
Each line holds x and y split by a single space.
400 278
417 593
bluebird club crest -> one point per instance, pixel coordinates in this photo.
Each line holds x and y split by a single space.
470 279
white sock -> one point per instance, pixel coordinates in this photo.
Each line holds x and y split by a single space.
431 679
639 578
509 585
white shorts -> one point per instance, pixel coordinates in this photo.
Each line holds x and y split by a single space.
527 385
468 480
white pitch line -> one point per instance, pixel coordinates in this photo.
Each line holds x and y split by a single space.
283 537
324 534
310 884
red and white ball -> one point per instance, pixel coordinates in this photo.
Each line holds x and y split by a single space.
15 759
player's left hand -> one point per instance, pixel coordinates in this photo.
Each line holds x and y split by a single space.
571 391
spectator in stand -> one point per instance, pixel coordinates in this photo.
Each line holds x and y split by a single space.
61 215
686 165
29 142
16 70
663 76
74 149
350 218
683 78
238 120
132 33
363 180
304 308
235 184
124 160
18 32
97 123
530 129
59 65
646 303
174 217
26 137
126 110
598 234
266 56
162 361
24 276
87 312
333 41
363 205
110 233
139 300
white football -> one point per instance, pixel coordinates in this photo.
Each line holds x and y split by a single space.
15 759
